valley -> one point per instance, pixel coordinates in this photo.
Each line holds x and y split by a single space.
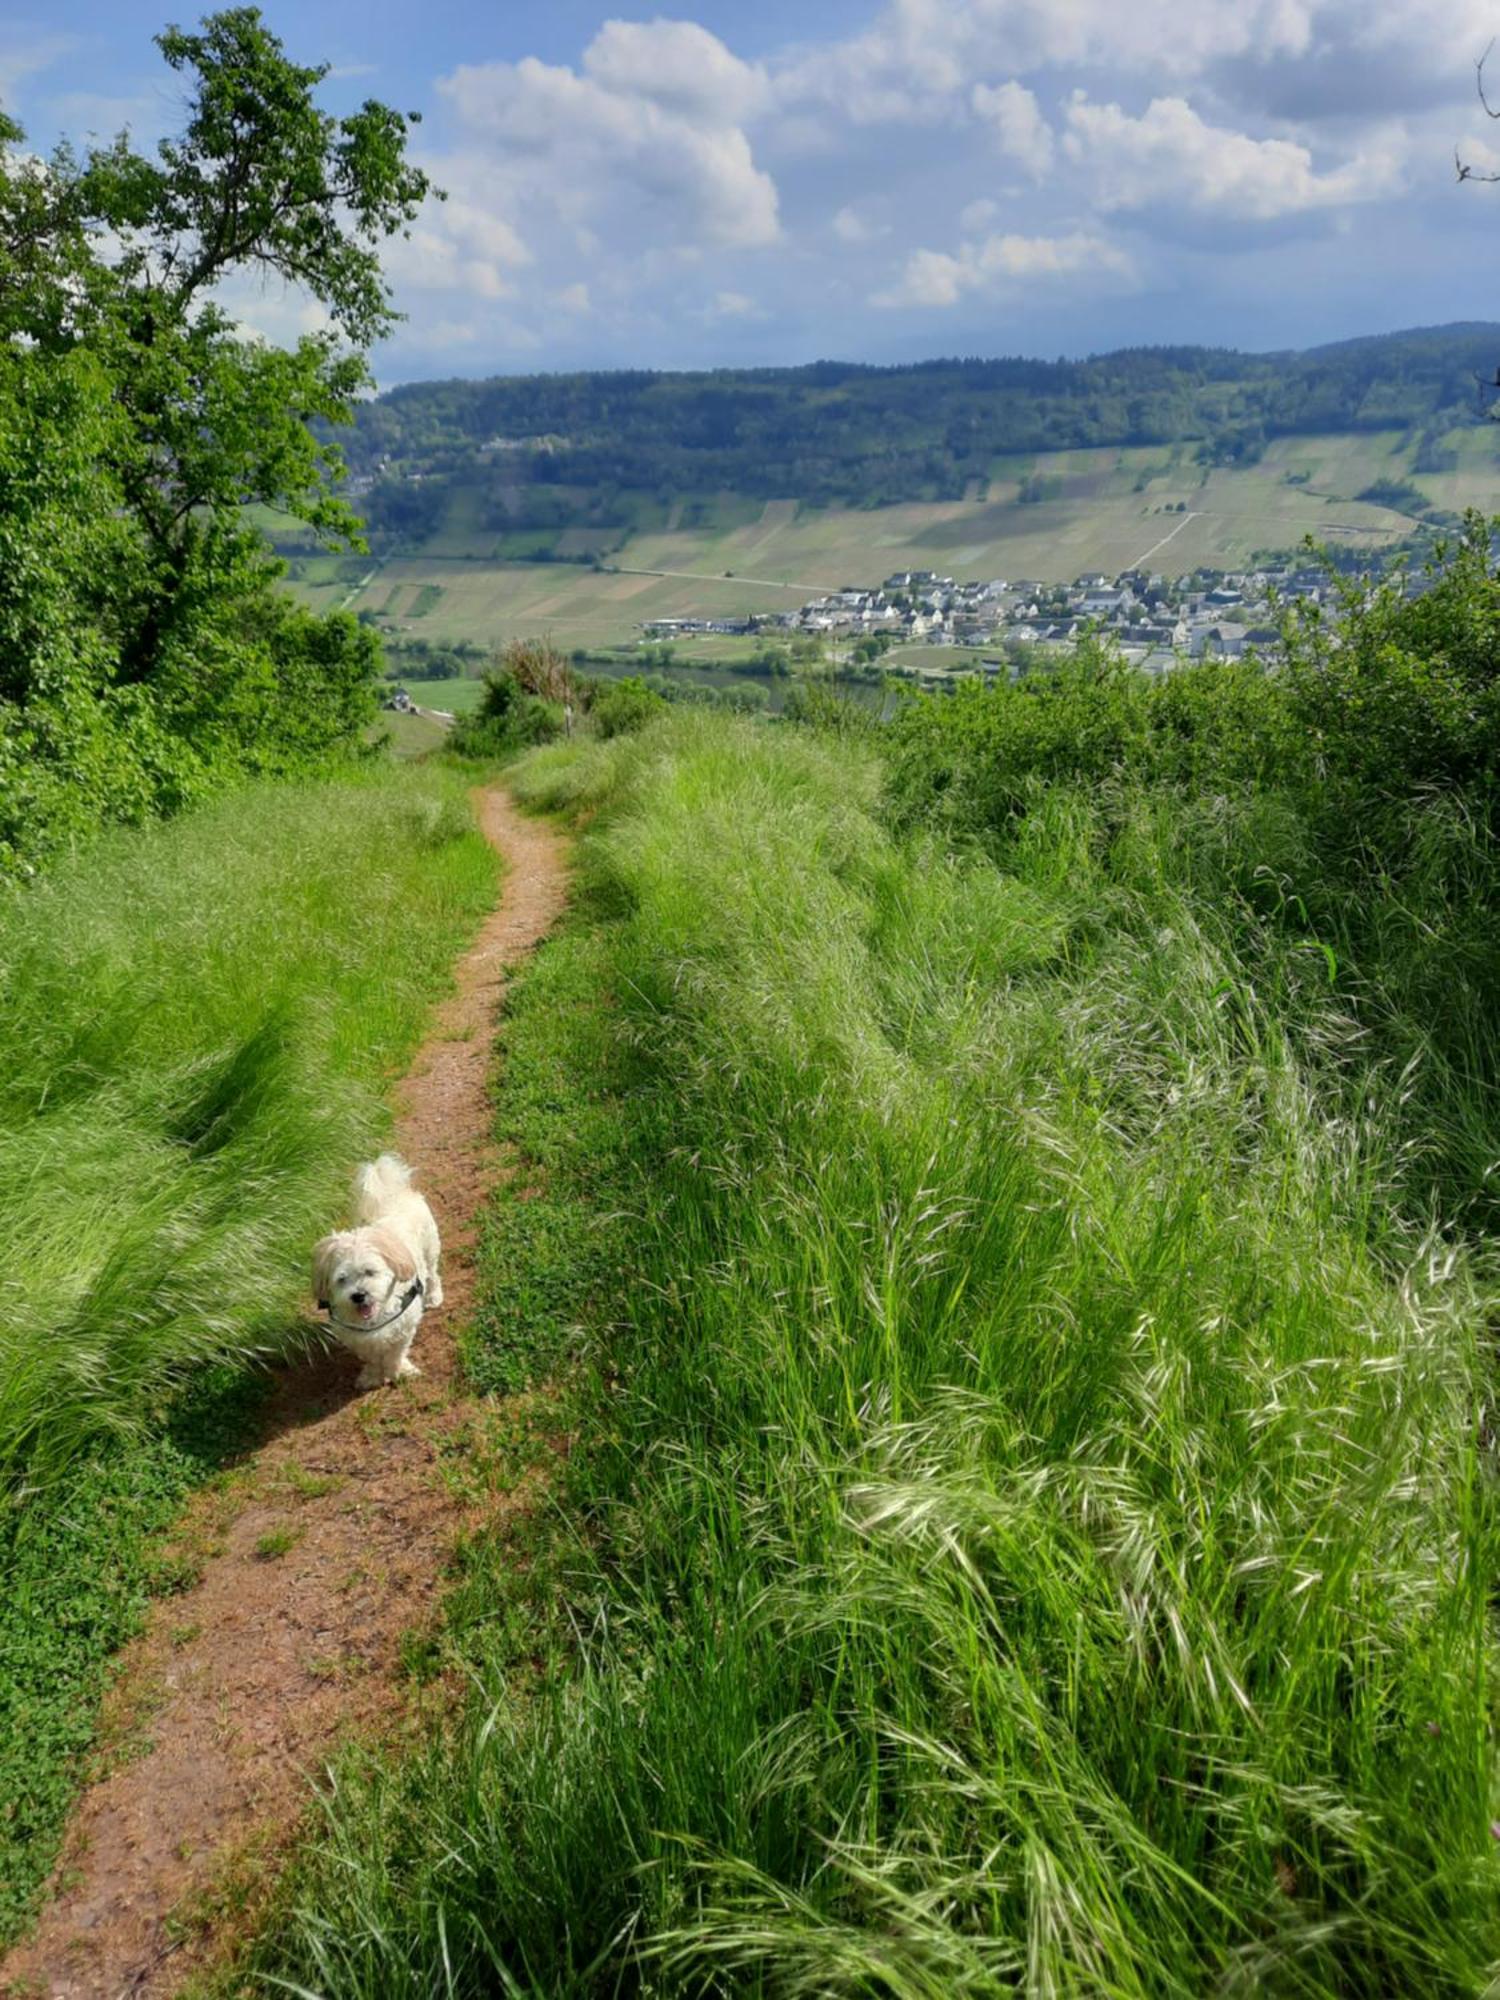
1101 509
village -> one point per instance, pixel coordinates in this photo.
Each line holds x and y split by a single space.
1156 621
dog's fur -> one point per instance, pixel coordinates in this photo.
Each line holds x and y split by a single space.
361 1273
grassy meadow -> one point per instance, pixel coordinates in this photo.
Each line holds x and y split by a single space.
456 697
1031 1516
1102 509
411 736
201 1021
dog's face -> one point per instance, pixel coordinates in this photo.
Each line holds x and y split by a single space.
359 1274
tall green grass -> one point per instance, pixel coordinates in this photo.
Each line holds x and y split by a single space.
199 1021
1036 1494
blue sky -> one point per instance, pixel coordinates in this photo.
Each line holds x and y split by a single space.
873 179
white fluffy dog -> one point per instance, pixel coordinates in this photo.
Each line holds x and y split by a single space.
374 1280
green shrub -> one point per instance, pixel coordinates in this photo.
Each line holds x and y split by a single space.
1399 494
623 705
828 706
1401 694
507 719
1341 804
974 761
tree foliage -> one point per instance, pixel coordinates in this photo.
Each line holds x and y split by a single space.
143 655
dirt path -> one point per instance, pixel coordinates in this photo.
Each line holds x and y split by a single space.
318 1554
723 576
1146 554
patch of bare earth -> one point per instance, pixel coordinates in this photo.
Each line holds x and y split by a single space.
319 1554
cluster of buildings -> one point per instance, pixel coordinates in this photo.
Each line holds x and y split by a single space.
1155 620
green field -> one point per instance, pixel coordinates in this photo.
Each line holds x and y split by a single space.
453 697
1105 509
410 735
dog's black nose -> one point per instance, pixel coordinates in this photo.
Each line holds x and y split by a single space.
359 1298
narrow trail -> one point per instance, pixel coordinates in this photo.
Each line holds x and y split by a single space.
319 1552
364 583
1146 554
708 576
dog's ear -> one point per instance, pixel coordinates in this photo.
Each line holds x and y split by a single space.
325 1256
395 1252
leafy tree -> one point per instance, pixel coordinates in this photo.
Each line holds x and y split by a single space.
140 419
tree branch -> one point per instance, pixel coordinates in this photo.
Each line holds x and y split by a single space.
1463 171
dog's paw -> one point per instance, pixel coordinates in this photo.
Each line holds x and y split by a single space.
406 1368
435 1296
368 1378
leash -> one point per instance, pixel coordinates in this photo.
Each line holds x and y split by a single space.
359 1326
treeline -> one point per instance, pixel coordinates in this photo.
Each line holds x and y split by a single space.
544 448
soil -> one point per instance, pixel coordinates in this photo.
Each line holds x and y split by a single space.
320 1553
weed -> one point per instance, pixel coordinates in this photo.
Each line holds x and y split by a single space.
240 1881
172 1572
277 1542
309 1485
421 1656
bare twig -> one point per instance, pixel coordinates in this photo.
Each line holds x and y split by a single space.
1464 171
1479 81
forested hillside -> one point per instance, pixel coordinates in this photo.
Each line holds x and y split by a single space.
835 432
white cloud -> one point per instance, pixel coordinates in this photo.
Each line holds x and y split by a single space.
921 57
460 244
696 195
919 61
1478 154
99 115
1020 130
270 310
1172 156
25 53
443 334
641 134
849 226
677 65
1003 263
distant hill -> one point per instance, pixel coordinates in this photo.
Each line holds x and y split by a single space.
552 451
